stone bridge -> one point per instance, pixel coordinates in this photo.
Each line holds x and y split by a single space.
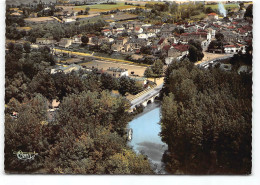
146 98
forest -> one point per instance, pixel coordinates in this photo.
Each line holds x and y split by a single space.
206 120
88 134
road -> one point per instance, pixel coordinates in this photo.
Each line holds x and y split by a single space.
206 63
145 96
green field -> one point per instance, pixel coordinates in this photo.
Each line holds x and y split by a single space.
232 6
107 7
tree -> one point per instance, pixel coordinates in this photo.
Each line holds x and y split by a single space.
209 10
195 51
108 82
26 134
204 123
87 11
84 40
249 11
27 47
105 48
148 73
124 85
157 68
219 36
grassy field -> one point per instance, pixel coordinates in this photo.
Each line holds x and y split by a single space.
232 6
104 7
200 16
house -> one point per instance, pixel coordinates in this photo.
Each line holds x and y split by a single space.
107 32
185 37
133 24
119 44
45 41
176 51
142 36
167 30
16 14
212 16
138 30
77 39
139 80
66 69
234 48
230 36
69 20
117 72
65 42
162 42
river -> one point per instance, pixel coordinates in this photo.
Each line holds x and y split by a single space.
146 139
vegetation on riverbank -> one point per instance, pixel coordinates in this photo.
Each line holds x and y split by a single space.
206 120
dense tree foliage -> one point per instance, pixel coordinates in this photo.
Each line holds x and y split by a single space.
84 39
249 11
156 70
195 51
87 133
206 120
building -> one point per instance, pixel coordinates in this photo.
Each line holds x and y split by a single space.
45 41
65 42
232 49
117 72
66 69
212 16
139 80
69 20
176 51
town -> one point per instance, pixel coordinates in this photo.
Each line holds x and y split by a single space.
63 48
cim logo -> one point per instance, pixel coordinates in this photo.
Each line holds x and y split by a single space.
25 155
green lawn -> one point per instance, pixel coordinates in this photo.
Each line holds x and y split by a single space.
225 5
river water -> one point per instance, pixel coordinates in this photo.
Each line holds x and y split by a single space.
146 139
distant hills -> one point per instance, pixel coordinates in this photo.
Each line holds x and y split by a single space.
17 2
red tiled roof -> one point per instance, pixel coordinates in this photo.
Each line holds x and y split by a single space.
194 33
212 14
166 47
161 41
181 47
240 45
106 30
229 46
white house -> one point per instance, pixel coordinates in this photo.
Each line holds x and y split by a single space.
142 36
138 30
69 20
117 72
107 32
213 16
234 48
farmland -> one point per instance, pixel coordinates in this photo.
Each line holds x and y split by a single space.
227 6
97 8
39 19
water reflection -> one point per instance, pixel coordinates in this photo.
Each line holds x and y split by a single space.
145 138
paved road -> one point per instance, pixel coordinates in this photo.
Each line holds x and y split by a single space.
145 96
204 64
